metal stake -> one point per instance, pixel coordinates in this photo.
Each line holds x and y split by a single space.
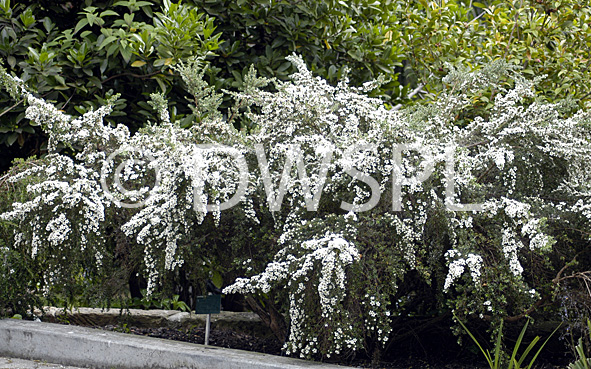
207 322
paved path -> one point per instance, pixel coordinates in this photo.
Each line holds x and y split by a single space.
9 363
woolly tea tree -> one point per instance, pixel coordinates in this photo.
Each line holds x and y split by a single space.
361 204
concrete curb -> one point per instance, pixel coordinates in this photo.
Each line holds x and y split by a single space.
88 347
244 322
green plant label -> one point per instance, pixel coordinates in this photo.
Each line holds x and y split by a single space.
210 304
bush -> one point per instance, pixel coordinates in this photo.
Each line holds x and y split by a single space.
129 46
19 273
342 270
123 46
542 37
332 37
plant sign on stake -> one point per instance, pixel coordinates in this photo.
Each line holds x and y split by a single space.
208 304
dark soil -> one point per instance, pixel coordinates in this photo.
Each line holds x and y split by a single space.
242 341
217 337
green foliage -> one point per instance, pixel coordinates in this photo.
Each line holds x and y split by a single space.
513 362
18 290
542 37
174 304
19 273
332 36
582 362
79 55
125 46
156 301
344 278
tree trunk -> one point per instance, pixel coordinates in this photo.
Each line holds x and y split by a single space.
270 316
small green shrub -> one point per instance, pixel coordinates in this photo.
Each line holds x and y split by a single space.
513 362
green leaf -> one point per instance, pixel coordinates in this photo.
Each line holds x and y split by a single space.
104 65
237 76
11 61
126 54
516 347
485 353
43 57
27 18
159 62
128 18
148 11
163 61
107 41
498 347
138 63
92 19
81 23
34 53
112 49
161 84
109 12
531 363
283 67
60 80
217 279
11 139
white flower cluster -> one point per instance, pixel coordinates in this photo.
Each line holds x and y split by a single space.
458 265
86 131
71 197
328 256
190 176
378 317
68 208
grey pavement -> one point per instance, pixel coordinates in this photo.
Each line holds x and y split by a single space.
98 349
11 363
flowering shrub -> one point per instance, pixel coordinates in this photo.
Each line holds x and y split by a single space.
363 208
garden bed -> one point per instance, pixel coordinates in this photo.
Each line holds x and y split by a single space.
433 347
